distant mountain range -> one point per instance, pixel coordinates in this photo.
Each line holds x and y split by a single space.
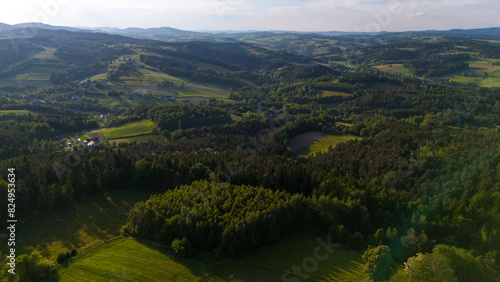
7 27
173 34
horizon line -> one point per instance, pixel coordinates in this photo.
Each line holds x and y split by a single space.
244 30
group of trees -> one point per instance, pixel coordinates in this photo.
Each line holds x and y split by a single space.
444 263
437 65
185 69
223 218
75 72
82 52
32 134
32 267
232 56
16 50
18 138
186 116
128 68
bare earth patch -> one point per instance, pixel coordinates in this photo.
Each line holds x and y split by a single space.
97 135
305 139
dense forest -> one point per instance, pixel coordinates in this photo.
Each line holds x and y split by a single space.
219 217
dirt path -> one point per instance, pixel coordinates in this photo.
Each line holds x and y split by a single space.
97 135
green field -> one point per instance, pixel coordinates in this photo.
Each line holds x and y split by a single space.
148 81
326 93
82 225
323 144
37 76
128 130
394 69
47 54
479 67
14 112
490 41
236 118
199 90
141 260
138 139
92 225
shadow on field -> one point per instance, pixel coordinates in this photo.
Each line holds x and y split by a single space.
81 225
201 266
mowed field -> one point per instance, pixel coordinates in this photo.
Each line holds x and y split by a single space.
92 226
34 75
326 93
14 112
138 139
128 259
305 139
37 76
128 130
310 143
479 67
84 224
149 80
394 69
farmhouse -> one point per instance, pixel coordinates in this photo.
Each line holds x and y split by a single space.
91 143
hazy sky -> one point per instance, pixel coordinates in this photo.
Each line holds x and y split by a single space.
300 15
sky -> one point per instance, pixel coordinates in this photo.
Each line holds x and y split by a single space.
297 15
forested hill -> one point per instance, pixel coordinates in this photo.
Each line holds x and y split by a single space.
69 56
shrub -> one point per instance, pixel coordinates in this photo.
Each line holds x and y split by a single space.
378 262
182 248
62 257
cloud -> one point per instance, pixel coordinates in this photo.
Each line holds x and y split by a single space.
417 15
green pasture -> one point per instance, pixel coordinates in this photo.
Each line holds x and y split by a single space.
128 130
123 259
88 222
323 144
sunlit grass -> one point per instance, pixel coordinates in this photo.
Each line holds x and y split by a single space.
323 144
128 130
128 258
88 221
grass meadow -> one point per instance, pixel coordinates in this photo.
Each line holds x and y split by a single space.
85 224
394 69
14 112
143 127
141 260
323 144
